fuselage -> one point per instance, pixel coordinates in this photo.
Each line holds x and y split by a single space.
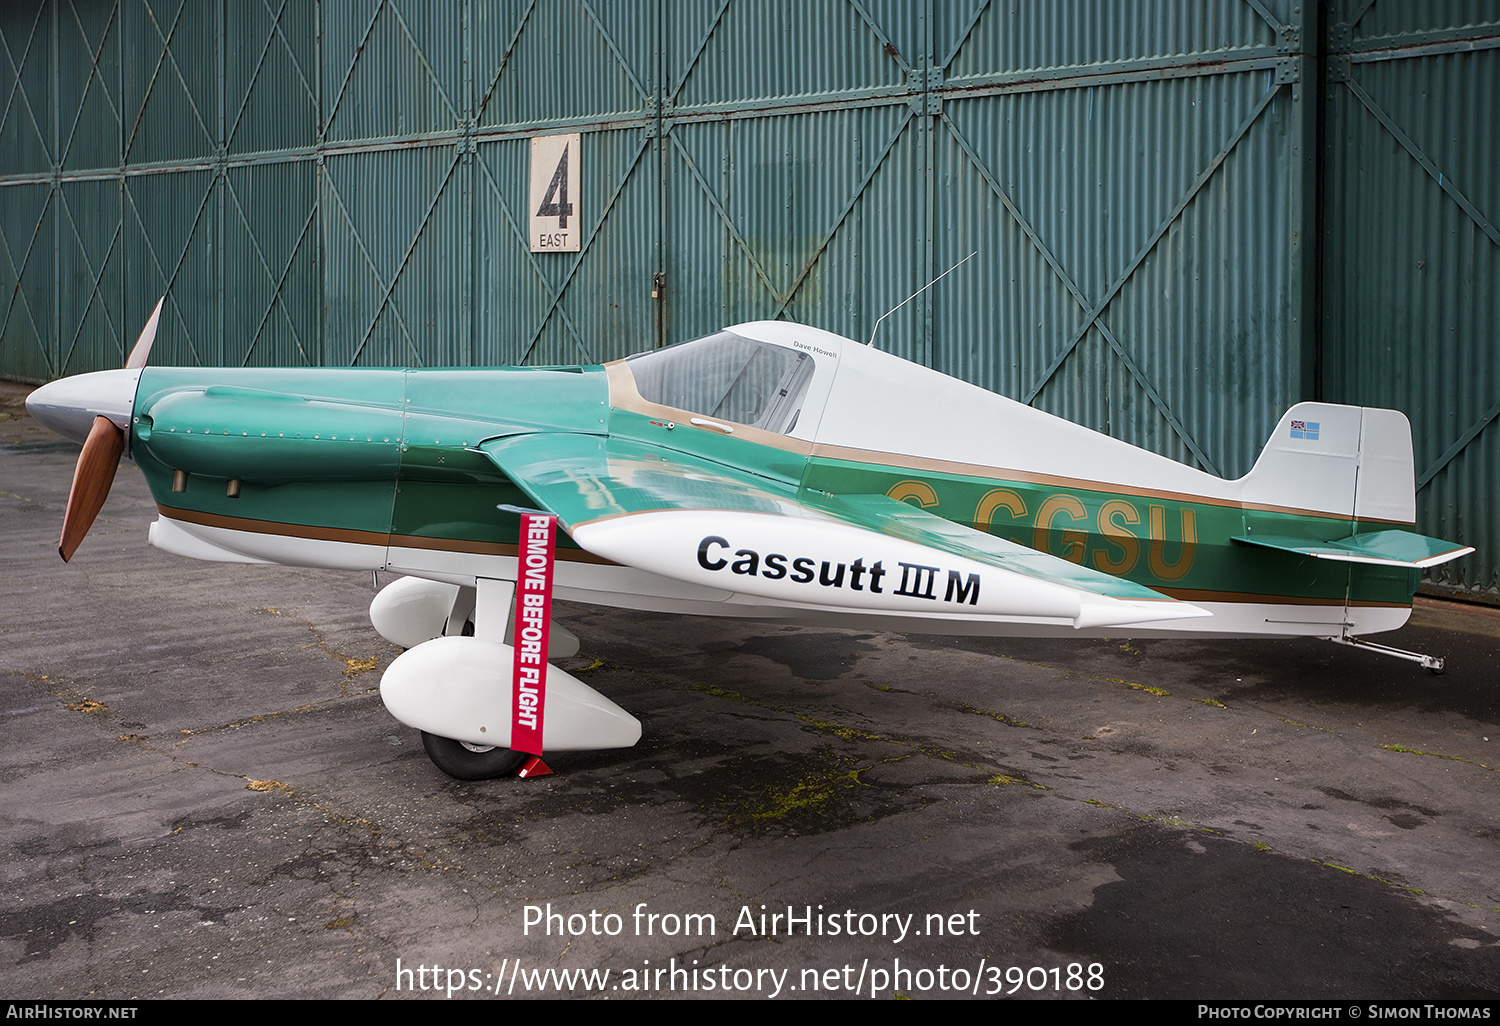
381 469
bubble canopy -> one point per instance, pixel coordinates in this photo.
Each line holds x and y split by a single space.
728 377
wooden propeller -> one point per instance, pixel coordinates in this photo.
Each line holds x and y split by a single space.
100 457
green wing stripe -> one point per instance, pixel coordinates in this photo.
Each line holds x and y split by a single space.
590 477
1386 548
584 478
903 520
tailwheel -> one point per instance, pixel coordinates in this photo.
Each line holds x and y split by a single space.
465 761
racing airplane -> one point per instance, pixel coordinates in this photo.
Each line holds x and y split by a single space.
771 471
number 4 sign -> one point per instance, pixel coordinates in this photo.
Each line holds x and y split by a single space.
555 168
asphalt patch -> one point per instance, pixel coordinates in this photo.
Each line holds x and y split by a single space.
1297 929
809 655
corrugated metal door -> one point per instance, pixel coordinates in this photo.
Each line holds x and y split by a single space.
320 184
59 240
1412 245
825 160
1134 179
788 156
392 199
429 114
129 179
548 68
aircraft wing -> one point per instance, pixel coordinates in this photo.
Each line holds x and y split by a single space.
694 520
903 520
585 478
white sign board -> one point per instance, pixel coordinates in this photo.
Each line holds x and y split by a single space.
555 167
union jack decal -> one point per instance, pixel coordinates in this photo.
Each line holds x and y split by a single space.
1307 429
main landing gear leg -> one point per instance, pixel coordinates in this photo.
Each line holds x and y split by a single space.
460 623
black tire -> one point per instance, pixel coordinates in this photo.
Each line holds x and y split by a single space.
470 762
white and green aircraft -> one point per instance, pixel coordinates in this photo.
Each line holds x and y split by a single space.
771 471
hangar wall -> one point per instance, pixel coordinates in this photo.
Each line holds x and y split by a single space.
346 184
1411 254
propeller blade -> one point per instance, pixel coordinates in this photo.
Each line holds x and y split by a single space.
91 480
142 348
100 457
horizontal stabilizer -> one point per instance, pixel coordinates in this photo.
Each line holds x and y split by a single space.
1383 548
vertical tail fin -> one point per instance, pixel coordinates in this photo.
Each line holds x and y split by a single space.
1351 461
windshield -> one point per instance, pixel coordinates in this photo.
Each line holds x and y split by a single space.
727 377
